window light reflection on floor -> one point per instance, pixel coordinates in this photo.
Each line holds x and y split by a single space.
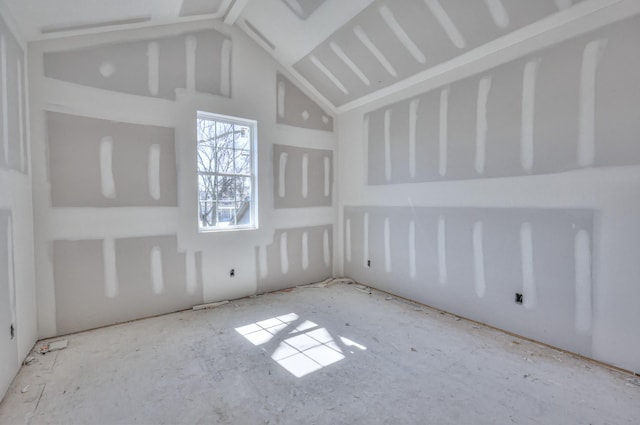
303 347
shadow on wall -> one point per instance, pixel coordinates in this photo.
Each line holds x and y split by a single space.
473 262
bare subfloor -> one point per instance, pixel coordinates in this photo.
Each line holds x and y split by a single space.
314 356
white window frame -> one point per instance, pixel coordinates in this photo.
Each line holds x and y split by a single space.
253 128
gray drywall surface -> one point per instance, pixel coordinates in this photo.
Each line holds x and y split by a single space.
13 112
295 108
296 257
199 7
304 8
390 41
79 167
553 111
153 68
92 292
472 262
9 346
302 177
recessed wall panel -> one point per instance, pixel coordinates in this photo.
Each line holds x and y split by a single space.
297 109
283 265
302 177
154 68
85 301
79 158
472 262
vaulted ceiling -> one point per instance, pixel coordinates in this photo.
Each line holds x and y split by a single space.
343 50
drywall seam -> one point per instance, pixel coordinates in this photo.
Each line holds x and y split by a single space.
153 172
498 13
387 245
191 272
412 250
447 24
305 175
586 143
282 190
413 123
106 168
401 34
364 38
328 74
443 139
348 240
387 144
326 248
528 114
111 284
157 277
350 64
21 129
482 125
305 250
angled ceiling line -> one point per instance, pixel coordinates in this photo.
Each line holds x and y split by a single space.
235 11
304 84
509 46
350 64
364 38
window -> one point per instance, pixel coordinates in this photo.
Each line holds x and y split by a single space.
226 173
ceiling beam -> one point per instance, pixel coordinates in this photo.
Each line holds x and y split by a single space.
235 11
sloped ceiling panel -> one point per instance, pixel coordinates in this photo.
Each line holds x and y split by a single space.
200 7
303 8
390 41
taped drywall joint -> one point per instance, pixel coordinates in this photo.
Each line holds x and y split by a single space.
593 52
106 168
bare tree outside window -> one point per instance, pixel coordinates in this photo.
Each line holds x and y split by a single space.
225 172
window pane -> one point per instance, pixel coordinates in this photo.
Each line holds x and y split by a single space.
224 157
206 157
243 162
243 200
207 201
243 137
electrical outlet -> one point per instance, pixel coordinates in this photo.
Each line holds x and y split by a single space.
369 263
232 273
12 331
519 298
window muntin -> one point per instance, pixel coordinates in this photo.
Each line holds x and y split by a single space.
226 172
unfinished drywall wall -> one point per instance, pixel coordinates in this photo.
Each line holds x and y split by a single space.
296 255
122 279
559 105
302 177
100 163
390 41
197 61
115 169
475 260
551 121
17 288
295 108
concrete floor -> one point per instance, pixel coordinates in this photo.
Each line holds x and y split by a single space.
314 356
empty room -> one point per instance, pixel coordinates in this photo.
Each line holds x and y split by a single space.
319 212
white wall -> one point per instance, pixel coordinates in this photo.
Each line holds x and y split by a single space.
16 203
253 96
610 192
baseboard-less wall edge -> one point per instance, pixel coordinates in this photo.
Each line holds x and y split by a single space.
513 334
